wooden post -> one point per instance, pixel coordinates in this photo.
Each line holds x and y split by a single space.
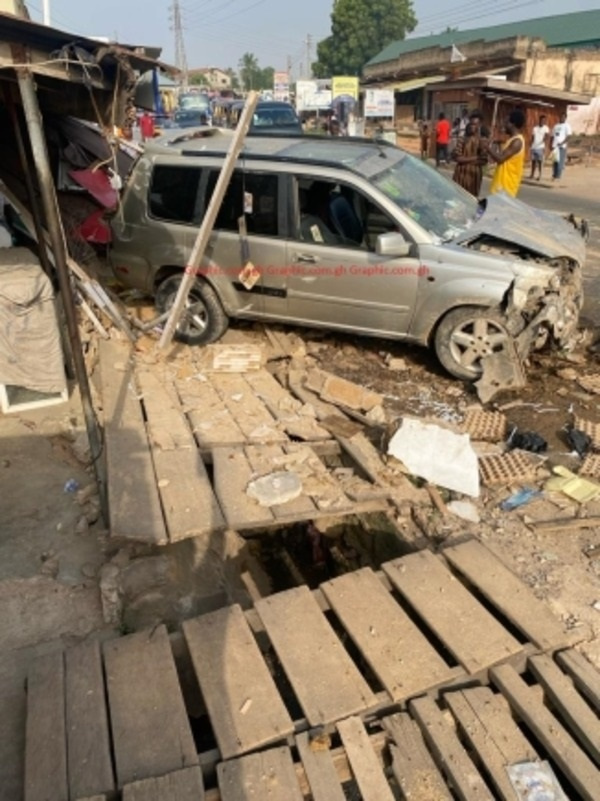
189 275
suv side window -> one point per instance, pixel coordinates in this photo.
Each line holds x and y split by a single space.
251 193
174 193
333 213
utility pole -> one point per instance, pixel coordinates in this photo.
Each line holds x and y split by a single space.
46 8
308 56
180 58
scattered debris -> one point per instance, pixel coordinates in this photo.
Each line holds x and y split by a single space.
275 488
465 510
483 425
590 429
396 364
579 441
535 781
71 485
520 498
225 358
437 454
506 468
341 392
567 373
501 371
591 383
591 466
575 487
527 441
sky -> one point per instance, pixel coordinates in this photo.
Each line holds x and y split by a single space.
278 32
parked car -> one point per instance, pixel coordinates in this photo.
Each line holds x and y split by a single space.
189 118
269 117
349 235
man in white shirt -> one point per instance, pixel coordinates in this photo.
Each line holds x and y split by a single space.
560 135
539 141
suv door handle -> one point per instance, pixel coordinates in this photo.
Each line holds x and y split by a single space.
306 257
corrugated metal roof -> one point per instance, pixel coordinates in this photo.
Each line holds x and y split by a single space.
561 30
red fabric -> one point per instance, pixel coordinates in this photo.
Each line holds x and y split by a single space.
95 228
442 132
147 126
98 185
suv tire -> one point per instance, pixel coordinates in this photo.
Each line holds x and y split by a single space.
204 319
465 336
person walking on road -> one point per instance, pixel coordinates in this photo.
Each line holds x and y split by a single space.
510 159
539 142
560 135
442 139
470 155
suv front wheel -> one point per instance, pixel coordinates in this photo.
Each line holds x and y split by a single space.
467 335
203 319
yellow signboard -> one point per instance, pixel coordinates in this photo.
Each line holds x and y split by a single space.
344 85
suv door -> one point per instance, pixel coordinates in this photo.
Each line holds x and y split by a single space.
257 197
336 278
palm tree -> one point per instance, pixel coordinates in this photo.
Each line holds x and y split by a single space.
248 65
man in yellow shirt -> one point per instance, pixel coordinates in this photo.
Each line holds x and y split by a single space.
510 160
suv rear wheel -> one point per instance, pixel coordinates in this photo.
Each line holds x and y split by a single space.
467 335
203 319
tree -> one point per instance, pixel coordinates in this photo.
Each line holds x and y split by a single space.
253 76
235 83
359 30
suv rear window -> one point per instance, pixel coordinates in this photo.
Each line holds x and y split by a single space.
250 193
174 193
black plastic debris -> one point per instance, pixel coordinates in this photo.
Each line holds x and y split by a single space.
527 441
579 441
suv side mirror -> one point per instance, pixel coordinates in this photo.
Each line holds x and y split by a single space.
392 244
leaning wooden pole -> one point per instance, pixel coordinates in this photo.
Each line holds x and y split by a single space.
33 119
189 275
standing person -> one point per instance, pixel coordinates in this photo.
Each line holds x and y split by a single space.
539 141
442 139
510 160
146 126
470 155
560 135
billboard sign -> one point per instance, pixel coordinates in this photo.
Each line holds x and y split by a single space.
310 96
379 103
345 86
281 86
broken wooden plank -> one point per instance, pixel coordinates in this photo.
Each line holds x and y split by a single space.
364 762
448 751
243 702
211 421
414 768
399 654
133 499
320 769
45 734
511 596
481 735
167 426
572 761
150 728
326 682
251 415
268 774
318 482
263 460
231 476
585 676
89 761
466 628
183 785
581 721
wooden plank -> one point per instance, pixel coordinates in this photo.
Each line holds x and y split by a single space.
150 728
320 771
573 762
511 596
325 490
252 416
89 762
466 628
399 654
133 500
244 705
585 676
167 426
482 741
366 767
414 768
231 476
266 775
190 506
45 735
581 721
263 460
183 785
211 421
326 682
448 751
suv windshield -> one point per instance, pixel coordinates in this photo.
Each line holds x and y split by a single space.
440 206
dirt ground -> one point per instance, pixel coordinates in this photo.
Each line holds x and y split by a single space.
53 543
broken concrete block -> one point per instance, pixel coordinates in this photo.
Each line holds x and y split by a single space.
398 365
376 415
275 488
345 393
223 358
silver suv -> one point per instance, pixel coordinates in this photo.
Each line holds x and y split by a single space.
349 235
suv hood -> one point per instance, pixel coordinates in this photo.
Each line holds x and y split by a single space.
542 232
